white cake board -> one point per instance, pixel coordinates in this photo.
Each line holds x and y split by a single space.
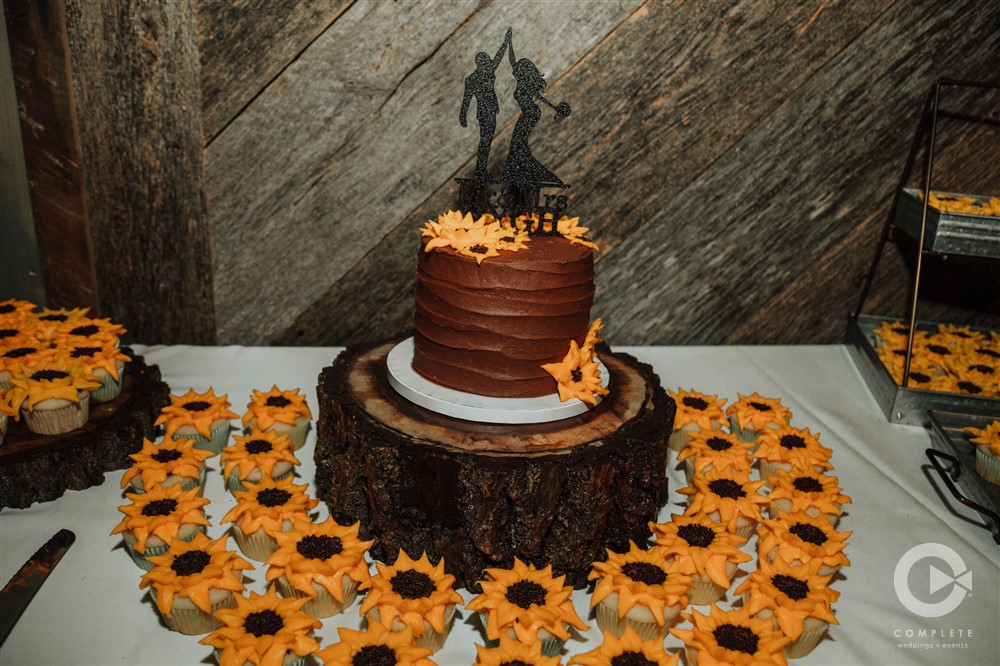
471 407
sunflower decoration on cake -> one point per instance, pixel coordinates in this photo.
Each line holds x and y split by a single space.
709 449
256 456
203 416
376 644
266 508
798 537
731 637
796 597
264 630
283 411
570 229
511 651
478 238
702 549
415 594
785 447
53 395
322 562
157 517
629 648
753 414
105 360
728 497
695 411
807 490
638 589
164 464
527 604
192 580
578 375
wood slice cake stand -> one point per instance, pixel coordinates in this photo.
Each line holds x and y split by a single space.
40 468
479 494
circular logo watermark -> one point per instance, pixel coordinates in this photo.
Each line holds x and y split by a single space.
960 579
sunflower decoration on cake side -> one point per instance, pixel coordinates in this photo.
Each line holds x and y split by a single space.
415 594
728 497
265 509
785 447
264 630
709 449
164 464
283 411
796 597
695 412
702 549
322 562
256 456
798 538
192 580
753 414
578 375
53 396
628 649
807 490
157 517
376 644
640 590
202 416
527 604
731 637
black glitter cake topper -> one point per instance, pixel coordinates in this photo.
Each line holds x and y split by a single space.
519 191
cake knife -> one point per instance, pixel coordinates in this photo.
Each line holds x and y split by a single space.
19 591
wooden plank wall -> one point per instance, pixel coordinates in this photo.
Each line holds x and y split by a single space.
734 160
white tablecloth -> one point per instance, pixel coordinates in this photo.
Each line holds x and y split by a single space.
92 612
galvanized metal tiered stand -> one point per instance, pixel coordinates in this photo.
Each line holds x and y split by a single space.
946 233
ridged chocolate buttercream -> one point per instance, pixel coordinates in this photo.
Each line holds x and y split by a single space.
488 328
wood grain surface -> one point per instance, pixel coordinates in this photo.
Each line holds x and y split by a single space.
734 160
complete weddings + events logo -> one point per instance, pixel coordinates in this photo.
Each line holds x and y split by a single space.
916 571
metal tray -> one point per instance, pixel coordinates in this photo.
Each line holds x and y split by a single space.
909 406
950 233
951 444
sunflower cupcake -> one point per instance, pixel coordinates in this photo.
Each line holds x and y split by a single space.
728 497
786 447
715 449
702 549
415 594
638 589
164 464
21 350
807 490
284 412
192 580
798 538
86 330
695 412
731 637
264 509
106 362
629 648
796 597
375 645
157 517
987 441
53 396
201 416
264 630
527 604
511 651
255 456
753 414
14 307
322 562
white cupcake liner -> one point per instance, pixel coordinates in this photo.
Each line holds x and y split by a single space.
110 388
219 437
187 484
296 661
608 620
257 546
987 465
152 551
58 421
296 433
705 592
805 643
234 484
323 604
194 621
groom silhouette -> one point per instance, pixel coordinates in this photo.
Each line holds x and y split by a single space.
481 85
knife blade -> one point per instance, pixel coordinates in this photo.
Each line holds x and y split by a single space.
21 588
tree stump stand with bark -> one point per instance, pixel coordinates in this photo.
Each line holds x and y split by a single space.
479 494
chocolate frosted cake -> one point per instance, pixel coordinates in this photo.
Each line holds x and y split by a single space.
487 327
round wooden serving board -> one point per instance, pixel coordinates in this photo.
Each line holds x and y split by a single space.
40 468
480 495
